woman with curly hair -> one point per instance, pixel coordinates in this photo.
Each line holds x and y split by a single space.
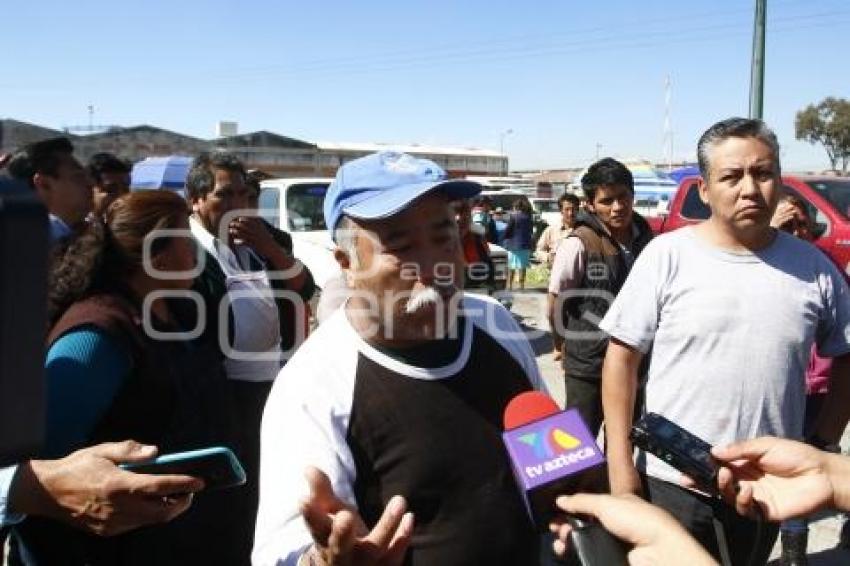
121 365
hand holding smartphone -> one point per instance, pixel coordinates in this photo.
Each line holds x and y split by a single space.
217 466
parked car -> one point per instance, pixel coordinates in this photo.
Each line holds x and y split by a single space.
547 209
505 200
296 205
826 198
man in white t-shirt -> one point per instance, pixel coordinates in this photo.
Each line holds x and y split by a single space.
399 392
731 308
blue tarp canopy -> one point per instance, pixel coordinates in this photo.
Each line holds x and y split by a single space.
682 172
161 173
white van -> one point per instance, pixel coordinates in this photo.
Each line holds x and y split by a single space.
296 206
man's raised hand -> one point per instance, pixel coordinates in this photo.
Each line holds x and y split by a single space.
341 537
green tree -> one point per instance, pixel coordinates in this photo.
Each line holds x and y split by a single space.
827 124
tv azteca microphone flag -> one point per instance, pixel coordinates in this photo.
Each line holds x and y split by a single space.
548 455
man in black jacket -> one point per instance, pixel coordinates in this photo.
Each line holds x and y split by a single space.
589 268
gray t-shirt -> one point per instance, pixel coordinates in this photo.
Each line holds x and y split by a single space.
731 333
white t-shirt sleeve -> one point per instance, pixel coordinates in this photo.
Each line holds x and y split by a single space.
633 316
568 265
833 331
304 424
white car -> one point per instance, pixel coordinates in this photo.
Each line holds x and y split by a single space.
547 209
297 206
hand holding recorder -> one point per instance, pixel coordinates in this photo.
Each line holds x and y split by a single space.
783 477
656 537
553 453
777 478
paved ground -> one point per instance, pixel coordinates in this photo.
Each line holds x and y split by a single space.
529 308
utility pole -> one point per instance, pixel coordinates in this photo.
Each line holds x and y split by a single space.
757 63
502 135
507 132
668 125
598 147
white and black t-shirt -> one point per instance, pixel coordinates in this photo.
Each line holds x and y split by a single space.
379 427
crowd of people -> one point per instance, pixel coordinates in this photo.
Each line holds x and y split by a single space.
168 320
181 323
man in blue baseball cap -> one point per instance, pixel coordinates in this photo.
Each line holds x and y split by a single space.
392 409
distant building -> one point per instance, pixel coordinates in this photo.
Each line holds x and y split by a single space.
458 162
14 134
138 142
271 153
225 129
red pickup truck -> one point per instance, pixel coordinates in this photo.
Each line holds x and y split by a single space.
827 199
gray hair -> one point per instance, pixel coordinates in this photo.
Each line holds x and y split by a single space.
345 236
734 128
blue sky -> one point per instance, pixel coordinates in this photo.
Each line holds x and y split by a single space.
563 75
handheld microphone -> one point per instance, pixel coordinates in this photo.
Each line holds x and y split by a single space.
553 453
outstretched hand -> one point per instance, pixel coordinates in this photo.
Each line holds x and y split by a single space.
342 538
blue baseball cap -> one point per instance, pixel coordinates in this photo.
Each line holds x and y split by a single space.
383 184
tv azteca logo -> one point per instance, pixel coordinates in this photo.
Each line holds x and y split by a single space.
549 442
553 444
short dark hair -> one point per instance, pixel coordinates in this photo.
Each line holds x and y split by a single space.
734 128
482 200
39 157
101 163
570 198
201 178
606 172
522 204
253 180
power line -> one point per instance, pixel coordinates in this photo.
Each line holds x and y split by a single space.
511 50
604 45
520 45
511 41
618 40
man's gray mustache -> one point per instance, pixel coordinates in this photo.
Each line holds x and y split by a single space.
428 296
